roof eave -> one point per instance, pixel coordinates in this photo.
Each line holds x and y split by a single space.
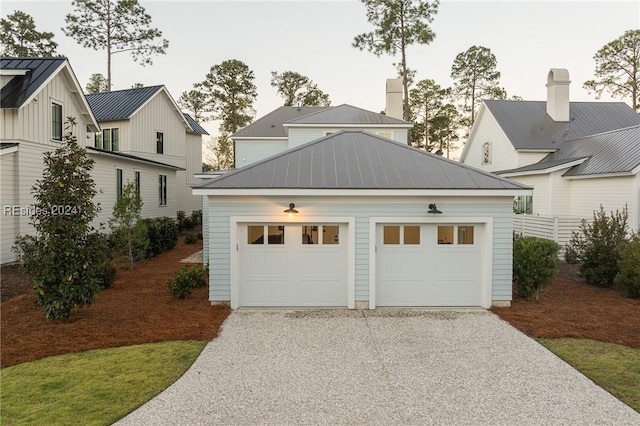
350 125
506 192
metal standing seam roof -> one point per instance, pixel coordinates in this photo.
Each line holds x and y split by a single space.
120 104
358 160
131 157
15 93
195 126
543 165
270 126
347 114
528 126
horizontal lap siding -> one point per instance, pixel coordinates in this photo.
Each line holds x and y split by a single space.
362 209
250 151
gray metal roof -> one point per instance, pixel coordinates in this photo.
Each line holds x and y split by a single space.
5 145
347 114
358 160
542 165
120 104
131 157
22 87
270 126
528 126
195 126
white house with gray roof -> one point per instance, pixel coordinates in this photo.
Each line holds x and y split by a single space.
576 155
353 219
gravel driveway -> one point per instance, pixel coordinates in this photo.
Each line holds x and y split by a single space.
379 367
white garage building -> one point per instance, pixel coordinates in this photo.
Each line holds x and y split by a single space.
357 220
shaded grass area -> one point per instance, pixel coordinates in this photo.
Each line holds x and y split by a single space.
92 388
615 368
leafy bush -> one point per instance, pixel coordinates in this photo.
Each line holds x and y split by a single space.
129 237
628 278
570 255
190 239
596 246
187 222
162 233
199 235
106 273
535 262
186 279
196 217
180 216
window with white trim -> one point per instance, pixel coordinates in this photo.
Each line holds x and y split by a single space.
56 121
137 183
119 183
159 143
321 234
109 139
401 234
523 204
274 234
456 234
162 188
486 153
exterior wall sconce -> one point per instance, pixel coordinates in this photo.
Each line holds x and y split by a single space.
433 209
291 210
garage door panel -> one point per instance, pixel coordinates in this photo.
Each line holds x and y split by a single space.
405 292
457 292
260 291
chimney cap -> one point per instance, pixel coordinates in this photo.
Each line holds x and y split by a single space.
558 76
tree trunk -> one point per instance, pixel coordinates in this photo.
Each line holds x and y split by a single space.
108 48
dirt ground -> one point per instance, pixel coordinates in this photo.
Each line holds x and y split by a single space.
139 309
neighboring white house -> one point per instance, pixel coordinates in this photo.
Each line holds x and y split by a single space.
576 155
347 217
39 93
147 124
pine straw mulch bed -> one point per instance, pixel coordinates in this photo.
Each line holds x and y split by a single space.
571 308
136 309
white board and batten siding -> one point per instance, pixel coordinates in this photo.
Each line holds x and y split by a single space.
225 212
541 193
503 155
301 135
613 193
188 202
249 151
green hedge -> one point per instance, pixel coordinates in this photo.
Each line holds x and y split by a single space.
535 262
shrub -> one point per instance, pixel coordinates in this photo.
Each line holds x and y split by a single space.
186 279
199 235
596 246
196 217
628 278
106 273
162 233
180 216
129 237
190 239
570 255
535 262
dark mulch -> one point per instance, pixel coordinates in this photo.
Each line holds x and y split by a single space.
12 283
572 308
137 309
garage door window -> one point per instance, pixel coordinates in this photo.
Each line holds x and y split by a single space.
392 233
464 234
256 233
321 234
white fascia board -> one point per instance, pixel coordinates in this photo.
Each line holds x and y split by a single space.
259 138
366 192
545 171
351 125
9 150
601 175
472 133
536 151
10 72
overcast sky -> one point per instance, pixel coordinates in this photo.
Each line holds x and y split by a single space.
314 38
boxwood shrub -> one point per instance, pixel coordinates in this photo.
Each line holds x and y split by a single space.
535 263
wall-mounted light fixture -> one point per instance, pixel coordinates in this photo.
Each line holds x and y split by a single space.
291 210
433 209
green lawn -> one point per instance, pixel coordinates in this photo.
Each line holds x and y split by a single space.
91 388
614 367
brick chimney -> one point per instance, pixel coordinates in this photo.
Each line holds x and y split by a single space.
394 98
558 94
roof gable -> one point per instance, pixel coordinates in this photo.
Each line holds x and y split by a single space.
120 104
271 125
529 127
346 114
359 160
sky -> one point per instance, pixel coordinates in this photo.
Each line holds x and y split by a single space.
314 38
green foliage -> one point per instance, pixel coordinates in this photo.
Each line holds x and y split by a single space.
230 93
535 262
162 233
19 37
628 278
186 279
184 221
196 217
97 84
195 101
62 258
397 25
570 255
436 121
476 78
596 246
618 68
115 26
298 89
131 240
190 239
222 149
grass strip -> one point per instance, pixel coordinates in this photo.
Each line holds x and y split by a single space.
94 387
615 368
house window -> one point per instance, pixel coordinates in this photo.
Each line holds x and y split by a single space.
410 234
464 234
137 183
391 234
523 204
159 143
445 234
321 234
486 153
256 233
162 188
98 140
110 140
56 121
119 183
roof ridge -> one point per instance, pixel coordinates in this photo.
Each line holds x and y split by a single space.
329 108
604 133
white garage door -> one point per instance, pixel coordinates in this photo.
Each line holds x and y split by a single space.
292 265
428 265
